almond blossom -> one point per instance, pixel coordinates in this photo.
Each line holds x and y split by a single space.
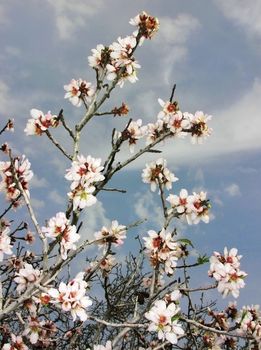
21 168
163 321
157 173
26 276
97 58
123 65
5 243
16 343
78 90
107 263
168 109
59 227
225 270
40 122
133 133
177 123
199 128
162 249
72 297
249 321
84 170
83 173
147 25
193 207
115 234
154 131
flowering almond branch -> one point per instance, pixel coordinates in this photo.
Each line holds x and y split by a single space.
144 300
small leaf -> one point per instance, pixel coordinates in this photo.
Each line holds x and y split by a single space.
202 260
185 241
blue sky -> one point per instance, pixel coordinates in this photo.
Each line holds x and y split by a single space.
209 48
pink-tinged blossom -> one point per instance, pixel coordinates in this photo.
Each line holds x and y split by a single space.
122 65
40 122
96 60
199 128
59 226
163 250
147 25
16 343
168 109
82 196
115 234
21 168
107 263
157 173
164 320
79 90
33 330
72 297
249 322
193 207
26 276
177 123
133 133
225 270
84 172
5 243
121 51
154 131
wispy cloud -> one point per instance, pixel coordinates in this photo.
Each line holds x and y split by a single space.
244 13
70 15
173 38
233 190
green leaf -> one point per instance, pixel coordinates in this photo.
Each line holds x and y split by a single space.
185 241
202 259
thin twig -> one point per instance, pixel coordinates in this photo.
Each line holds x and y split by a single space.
56 143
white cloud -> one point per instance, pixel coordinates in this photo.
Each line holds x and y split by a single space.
37 203
93 219
146 207
55 197
244 13
178 30
37 182
233 190
173 39
70 15
4 97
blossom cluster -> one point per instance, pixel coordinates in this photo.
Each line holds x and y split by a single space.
133 132
249 321
157 174
163 250
225 269
115 234
40 122
193 207
18 170
117 60
59 227
26 276
147 25
79 91
172 121
72 297
164 316
84 172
